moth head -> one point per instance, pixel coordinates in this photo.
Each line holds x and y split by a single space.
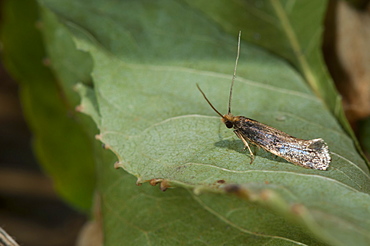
228 120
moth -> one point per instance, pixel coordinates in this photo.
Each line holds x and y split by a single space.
312 153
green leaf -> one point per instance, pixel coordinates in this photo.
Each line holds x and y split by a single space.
287 28
291 29
147 216
147 60
62 147
295 31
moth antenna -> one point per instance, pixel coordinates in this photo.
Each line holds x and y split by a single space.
210 104
234 75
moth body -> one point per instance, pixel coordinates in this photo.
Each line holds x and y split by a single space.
312 154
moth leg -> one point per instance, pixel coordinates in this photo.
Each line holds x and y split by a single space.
246 145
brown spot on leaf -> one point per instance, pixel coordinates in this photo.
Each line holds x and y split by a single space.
298 209
232 188
165 185
266 195
139 182
46 62
105 146
79 108
154 182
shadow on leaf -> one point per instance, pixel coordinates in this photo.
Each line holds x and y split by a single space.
238 146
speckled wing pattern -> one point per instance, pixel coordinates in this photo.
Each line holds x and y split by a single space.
312 154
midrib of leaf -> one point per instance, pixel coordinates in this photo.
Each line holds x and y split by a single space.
288 29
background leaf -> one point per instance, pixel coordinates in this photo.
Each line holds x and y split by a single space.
289 29
63 148
147 60
364 135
